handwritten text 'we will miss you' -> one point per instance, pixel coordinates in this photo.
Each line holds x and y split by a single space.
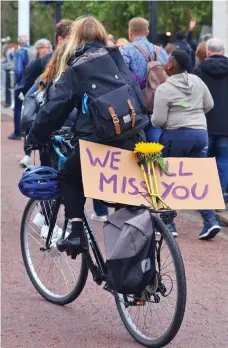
129 185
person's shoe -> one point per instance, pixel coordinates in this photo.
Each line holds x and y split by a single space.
25 162
39 220
14 137
57 233
172 229
210 230
95 217
73 246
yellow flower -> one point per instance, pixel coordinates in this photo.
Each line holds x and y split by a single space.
148 148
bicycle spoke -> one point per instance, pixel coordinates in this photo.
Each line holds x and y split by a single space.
153 321
52 271
65 279
35 240
71 269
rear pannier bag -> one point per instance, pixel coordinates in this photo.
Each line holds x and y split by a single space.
130 250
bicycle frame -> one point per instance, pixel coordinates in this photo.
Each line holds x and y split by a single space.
97 268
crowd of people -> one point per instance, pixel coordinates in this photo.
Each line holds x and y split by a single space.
185 88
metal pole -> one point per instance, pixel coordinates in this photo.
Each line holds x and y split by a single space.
58 13
153 7
220 22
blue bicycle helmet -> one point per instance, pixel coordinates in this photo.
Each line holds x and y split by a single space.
40 183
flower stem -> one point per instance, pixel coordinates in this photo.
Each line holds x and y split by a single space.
154 199
156 184
145 178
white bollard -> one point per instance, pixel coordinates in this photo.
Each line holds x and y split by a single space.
24 18
220 22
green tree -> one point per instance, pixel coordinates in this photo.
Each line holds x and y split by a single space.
172 15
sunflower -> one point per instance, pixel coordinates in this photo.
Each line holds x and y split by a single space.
148 148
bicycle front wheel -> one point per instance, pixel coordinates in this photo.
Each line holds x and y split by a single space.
154 319
57 277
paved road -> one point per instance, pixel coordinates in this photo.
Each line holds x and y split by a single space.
92 321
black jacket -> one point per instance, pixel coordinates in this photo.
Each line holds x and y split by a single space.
71 120
69 92
34 69
214 72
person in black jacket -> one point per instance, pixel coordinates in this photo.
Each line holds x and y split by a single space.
192 43
181 43
46 89
96 70
214 72
37 66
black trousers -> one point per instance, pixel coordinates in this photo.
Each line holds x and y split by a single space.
7 88
26 150
71 178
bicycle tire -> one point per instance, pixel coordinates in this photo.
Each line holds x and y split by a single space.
169 335
59 300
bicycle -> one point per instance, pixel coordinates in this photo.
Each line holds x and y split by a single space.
158 295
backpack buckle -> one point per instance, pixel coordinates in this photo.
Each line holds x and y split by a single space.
115 120
132 112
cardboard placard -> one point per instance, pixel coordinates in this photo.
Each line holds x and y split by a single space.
114 175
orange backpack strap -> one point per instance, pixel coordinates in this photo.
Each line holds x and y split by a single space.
133 113
115 120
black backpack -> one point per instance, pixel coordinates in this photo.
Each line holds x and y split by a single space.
110 95
130 250
30 108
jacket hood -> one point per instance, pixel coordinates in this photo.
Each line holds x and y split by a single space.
81 50
215 66
181 82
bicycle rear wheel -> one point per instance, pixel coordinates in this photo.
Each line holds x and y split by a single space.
57 277
155 318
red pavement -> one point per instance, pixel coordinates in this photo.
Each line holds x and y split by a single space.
92 321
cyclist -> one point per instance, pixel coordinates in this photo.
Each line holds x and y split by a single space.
88 68
46 89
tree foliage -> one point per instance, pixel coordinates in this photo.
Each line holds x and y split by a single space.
172 15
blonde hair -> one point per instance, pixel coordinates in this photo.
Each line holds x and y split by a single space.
139 25
122 42
84 29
